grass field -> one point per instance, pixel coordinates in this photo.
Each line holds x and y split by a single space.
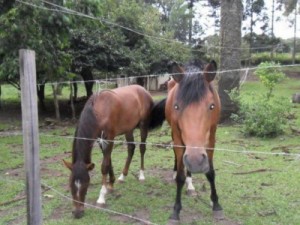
255 185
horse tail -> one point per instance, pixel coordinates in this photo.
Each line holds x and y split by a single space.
157 116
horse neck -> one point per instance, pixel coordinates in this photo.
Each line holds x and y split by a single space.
85 137
86 133
82 148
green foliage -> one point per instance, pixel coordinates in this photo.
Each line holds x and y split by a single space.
44 32
282 58
263 118
263 115
269 74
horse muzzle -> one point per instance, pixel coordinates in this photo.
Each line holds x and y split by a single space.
196 162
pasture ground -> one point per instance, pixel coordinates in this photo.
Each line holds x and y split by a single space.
255 185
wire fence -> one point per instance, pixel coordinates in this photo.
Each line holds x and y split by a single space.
65 197
241 150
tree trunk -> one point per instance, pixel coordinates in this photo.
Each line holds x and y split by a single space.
230 56
55 99
41 95
72 102
295 33
88 78
0 96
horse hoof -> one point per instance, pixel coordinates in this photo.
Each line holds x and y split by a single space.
142 180
110 190
78 214
218 215
191 192
173 222
101 205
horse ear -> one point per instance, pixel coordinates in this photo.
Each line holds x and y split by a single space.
68 165
176 70
90 166
210 71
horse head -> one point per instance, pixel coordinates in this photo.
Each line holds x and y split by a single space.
193 110
79 182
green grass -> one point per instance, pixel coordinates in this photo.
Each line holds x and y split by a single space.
255 186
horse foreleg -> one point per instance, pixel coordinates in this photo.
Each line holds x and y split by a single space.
180 179
130 148
175 167
210 175
217 209
111 177
105 169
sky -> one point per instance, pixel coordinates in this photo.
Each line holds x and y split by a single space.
282 28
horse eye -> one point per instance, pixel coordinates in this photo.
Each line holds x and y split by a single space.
212 106
176 107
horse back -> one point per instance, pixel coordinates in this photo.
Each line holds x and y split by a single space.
122 109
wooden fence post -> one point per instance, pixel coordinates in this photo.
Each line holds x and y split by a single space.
30 135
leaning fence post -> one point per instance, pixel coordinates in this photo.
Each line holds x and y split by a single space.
30 135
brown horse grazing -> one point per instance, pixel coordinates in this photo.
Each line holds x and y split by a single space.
106 115
192 110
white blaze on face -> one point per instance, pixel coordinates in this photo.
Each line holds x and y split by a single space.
78 186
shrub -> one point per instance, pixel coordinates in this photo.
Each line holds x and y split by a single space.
269 74
265 115
263 118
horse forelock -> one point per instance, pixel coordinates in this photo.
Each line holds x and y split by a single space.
191 89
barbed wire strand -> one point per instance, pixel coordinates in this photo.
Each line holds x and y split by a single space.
179 146
113 80
85 203
102 20
98 207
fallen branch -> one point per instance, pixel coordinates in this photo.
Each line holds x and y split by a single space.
13 200
19 198
267 213
232 163
254 171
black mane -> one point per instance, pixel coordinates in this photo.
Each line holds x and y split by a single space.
192 87
85 133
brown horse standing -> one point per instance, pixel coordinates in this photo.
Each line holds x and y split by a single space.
192 110
106 115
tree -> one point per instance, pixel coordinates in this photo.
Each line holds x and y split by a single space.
255 9
230 56
83 36
46 33
292 6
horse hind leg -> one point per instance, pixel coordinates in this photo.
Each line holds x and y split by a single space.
144 134
130 148
190 189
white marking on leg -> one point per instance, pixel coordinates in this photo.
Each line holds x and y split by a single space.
141 176
78 186
189 184
122 177
101 199
174 175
